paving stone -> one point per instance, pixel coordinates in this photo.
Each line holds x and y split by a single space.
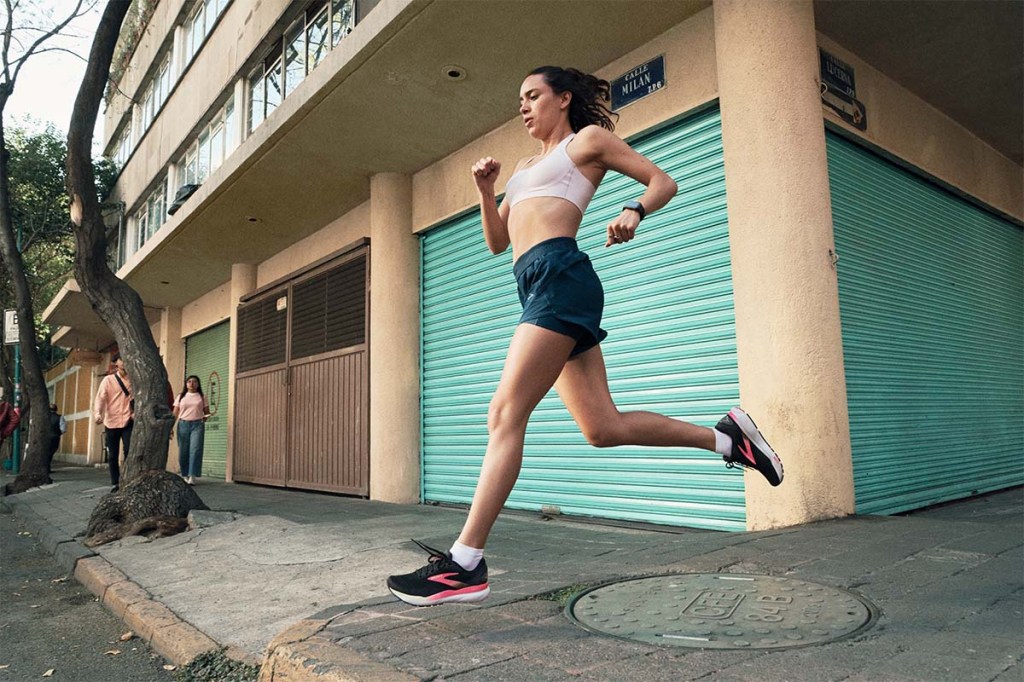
395 642
928 667
531 637
518 669
359 623
450 658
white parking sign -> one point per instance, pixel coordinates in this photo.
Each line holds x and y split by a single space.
10 326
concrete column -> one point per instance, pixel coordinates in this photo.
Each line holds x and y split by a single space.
243 280
394 342
788 333
172 350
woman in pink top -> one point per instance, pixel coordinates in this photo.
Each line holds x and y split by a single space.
191 409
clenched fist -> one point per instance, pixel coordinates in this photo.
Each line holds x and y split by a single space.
485 172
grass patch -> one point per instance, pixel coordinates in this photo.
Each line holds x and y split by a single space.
214 666
564 595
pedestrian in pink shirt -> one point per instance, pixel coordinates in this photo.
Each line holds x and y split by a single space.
114 408
191 409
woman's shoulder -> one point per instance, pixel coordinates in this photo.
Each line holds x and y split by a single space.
595 133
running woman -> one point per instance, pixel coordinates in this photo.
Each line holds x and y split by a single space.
557 342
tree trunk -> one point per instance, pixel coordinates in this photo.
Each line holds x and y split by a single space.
34 470
116 303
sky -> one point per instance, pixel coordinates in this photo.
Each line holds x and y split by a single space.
48 82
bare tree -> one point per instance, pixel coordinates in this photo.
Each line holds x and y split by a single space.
149 490
20 43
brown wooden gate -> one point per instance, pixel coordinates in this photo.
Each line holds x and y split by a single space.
302 379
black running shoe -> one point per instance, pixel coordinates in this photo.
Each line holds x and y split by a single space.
441 580
749 447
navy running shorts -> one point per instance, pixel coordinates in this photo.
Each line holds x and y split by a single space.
560 291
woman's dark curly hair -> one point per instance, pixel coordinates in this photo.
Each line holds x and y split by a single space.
590 96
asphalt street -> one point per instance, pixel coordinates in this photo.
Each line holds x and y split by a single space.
48 621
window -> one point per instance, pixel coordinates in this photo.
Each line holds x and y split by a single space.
207 153
150 215
123 147
317 39
303 46
257 98
273 84
199 25
343 20
294 58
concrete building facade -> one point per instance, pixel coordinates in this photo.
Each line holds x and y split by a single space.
323 266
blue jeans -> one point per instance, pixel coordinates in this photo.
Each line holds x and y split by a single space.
190 447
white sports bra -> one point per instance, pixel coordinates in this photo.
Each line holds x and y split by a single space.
553 176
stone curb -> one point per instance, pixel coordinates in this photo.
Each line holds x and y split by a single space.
302 654
152 622
173 638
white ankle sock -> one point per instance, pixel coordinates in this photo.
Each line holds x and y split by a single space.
465 556
723 443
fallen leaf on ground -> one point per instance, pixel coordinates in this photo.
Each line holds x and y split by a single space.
49 673
24 534
34 606
113 652
126 636
59 580
170 667
5 666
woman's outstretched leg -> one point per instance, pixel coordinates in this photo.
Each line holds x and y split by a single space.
583 387
535 360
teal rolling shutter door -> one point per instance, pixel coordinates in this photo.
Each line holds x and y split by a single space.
206 356
930 291
671 349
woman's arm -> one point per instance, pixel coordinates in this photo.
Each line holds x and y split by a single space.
100 404
604 148
494 219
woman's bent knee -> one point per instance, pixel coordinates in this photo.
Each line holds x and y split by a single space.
602 436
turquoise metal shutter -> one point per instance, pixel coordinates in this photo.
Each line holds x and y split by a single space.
206 356
671 349
930 292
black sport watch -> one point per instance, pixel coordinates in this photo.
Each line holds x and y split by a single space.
635 206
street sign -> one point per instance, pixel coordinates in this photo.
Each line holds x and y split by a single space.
638 83
10 327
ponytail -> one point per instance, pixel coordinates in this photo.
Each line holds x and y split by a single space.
590 96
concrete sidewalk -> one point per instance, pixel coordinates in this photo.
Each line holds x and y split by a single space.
296 580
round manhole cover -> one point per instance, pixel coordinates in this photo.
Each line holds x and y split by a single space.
721 611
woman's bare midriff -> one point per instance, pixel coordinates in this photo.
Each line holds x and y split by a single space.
532 221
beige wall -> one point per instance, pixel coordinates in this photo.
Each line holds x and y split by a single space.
906 126
445 188
241 29
206 311
145 52
338 234
899 122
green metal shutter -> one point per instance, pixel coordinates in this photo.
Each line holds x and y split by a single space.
671 349
206 356
930 293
